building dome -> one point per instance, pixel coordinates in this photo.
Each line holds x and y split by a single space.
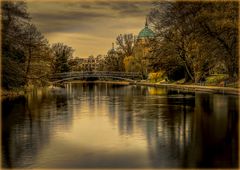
112 51
146 32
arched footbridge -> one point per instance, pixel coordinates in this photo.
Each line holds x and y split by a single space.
68 76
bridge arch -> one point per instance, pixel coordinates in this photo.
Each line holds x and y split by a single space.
68 76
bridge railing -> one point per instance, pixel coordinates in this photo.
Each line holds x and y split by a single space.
83 74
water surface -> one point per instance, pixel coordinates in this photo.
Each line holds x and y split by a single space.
114 126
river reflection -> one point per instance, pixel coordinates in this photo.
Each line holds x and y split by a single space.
115 126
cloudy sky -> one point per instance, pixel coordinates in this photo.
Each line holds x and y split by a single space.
89 26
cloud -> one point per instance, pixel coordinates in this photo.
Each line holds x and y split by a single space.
94 23
70 15
87 6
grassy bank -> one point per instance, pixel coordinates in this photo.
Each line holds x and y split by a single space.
12 93
173 85
15 92
193 87
216 83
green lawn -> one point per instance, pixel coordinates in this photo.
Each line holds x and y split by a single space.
216 78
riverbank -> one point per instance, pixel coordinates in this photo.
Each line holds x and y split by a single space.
16 92
183 87
192 87
11 93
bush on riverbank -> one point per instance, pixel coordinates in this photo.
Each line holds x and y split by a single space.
221 80
156 77
216 78
12 93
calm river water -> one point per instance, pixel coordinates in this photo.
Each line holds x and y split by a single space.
115 126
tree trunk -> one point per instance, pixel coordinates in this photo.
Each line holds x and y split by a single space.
28 65
188 71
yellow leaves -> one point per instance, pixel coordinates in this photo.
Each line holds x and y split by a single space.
156 91
156 76
128 62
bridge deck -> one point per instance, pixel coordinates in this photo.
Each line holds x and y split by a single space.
129 76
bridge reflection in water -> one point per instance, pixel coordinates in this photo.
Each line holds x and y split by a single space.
128 76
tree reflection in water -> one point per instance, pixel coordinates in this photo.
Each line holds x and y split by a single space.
179 129
28 122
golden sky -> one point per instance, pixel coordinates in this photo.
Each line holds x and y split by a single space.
89 26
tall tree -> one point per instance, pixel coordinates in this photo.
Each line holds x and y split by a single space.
113 61
22 45
36 50
195 35
219 22
14 17
61 56
125 44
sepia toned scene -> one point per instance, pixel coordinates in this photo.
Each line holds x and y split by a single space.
119 84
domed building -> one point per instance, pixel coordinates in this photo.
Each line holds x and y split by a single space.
142 48
112 51
145 34
143 40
